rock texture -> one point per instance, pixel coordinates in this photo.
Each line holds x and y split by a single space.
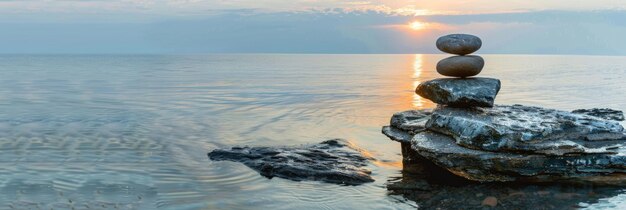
497 166
609 114
460 44
460 92
527 129
461 66
514 143
332 161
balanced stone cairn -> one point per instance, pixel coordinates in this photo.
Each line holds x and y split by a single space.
463 65
461 91
468 135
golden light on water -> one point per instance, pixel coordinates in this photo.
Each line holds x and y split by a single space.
416 25
417 72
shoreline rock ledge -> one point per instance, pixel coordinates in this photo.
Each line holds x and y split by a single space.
470 136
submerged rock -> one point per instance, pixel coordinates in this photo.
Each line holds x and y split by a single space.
332 161
461 66
460 44
609 114
460 92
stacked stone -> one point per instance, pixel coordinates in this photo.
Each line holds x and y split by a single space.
464 90
462 65
471 137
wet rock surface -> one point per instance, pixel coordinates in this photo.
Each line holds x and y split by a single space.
332 161
608 114
412 121
514 143
460 92
437 191
432 187
481 165
527 129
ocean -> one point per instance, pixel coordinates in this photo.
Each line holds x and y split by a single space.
133 131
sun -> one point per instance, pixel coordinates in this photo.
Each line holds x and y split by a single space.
416 25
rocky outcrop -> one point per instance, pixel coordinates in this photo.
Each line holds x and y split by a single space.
470 137
482 165
509 143
460 92
609 114
527 129
332 161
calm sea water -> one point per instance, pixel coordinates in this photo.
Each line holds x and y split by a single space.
130 131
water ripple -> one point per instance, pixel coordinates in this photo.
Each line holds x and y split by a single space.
132 132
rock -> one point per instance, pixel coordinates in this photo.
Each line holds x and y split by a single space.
514 143
460 44
467 92
461 66
490 201
488 166
609 114
470 195
412 121
397 134
332 161
527 129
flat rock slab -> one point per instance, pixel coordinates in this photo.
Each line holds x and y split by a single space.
499 166
412 121
397 134
404 125
460 92
527 129
609 114
332 161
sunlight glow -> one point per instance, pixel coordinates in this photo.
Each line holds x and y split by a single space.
416 25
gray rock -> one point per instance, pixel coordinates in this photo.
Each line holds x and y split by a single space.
513 143
609 114
460 44
332 161
412 121
467 92
461 66
487 166
442 191
397 134
527 129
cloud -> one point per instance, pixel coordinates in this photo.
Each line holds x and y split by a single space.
543 32
324 31
172 8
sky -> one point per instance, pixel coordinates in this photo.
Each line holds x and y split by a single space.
587 27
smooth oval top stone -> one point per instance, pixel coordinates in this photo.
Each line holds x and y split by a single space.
460 44
461 66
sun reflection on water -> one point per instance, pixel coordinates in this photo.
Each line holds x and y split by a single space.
417 72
